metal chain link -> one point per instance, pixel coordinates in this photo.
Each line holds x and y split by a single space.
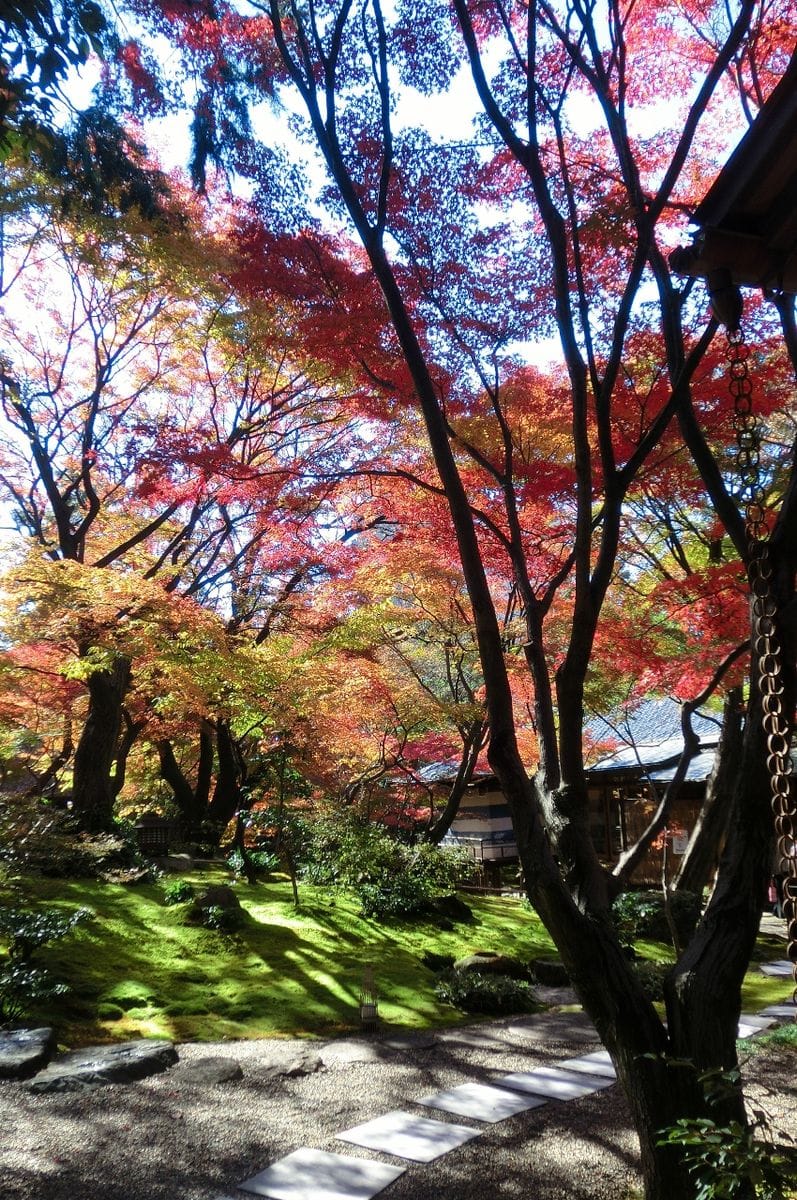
767 649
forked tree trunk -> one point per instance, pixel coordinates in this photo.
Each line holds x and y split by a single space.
705 843
191 799
93 789
227 796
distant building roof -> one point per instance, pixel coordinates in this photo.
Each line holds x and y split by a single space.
649 741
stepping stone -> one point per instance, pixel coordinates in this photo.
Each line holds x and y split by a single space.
749 1026
24 1051
95 1066
408 1136
350 1051
757 1020
781 967
555 1027
780 1011
475 1039
316 1175
482 1102
599 1063
554 1083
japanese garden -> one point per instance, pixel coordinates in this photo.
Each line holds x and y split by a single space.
398 503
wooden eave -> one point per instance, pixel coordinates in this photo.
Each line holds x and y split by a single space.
748 219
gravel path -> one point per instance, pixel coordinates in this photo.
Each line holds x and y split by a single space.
166 1138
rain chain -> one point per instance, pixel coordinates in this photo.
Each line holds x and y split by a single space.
767 650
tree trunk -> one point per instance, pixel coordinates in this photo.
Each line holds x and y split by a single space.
191 801
472 745
227 797
705 843
92 792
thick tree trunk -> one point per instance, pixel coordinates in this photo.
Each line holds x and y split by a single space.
227 797
705 843
92 791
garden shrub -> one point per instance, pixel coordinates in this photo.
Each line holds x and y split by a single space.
642 915
24 983
389 877
493 994
180 891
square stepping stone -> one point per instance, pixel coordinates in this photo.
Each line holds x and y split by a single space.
781 967
482 1102
780 1011
408 1136
598 1063
554 1083
317 1175
757 1020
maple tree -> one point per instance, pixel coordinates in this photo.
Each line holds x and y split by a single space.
468 249
578 500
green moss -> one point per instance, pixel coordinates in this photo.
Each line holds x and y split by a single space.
287 972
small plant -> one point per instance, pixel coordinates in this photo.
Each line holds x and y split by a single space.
728 1160
478 993
225 920
22 987
25 932
180 891
643 915
25 984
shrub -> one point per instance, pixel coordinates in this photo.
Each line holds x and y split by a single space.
493 994
643 915
180 891
25 932
24 984
651 976
225 920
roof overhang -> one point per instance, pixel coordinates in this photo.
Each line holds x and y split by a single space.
748 219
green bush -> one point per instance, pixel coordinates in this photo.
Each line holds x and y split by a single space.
23 986
726 1160
26 932
494 994
651 976
180 891
225 920
642 915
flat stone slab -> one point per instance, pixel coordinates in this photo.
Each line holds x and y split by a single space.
554 1083
757 1020
409 1041
482 1102
23 1052
317 1175
409 1136
210 1070
476 1039
555 1027
780 1011
781 966
350 1051
599 1063
96 1066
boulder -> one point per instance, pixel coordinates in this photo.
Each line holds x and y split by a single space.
210 1070
452 908
550 971
485 962
95 1066
23 1052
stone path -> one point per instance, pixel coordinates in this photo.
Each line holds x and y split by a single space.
309 1174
